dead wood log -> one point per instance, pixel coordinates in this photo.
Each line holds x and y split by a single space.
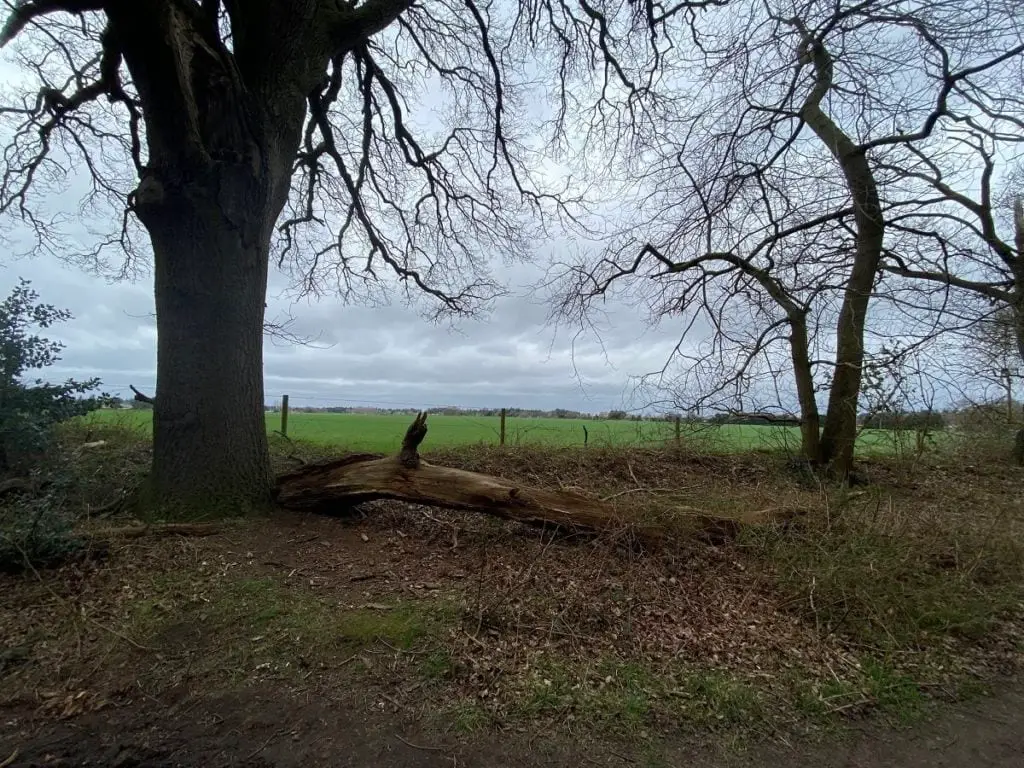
141 397
339 484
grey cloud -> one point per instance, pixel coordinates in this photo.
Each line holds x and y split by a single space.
368 355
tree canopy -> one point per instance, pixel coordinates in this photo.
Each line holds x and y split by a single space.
343 141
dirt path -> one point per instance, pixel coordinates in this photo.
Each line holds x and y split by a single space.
262 729
988 732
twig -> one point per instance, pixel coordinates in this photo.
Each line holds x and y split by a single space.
265 744
111 508
293 456
455 527
115 633
850 705
640 490
163 529
629 466
420 746
401 650
10 760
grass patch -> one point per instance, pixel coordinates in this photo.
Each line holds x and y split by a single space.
630 698
625 696
877 686
894 582
466 717
715 697
266 624
894 693
437 665
383 432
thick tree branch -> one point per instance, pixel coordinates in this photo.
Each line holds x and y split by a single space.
141 397
985 289
27 11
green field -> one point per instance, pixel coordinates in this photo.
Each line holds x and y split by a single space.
383 433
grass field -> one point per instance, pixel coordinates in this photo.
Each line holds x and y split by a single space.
383 433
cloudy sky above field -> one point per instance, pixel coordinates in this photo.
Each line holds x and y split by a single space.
386 356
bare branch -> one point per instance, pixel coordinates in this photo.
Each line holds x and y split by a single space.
26 12
141 397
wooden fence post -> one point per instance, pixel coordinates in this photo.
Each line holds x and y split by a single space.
501 433
284 415
679 430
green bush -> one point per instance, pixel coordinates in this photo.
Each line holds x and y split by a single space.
35 526
30 411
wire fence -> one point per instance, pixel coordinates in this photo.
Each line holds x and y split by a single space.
384 430
379 426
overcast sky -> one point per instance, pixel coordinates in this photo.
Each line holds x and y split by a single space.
384 356
387 356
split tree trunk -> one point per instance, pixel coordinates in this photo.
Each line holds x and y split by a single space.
220 146
839 433
338 485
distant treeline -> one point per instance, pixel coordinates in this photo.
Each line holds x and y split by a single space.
917 421
910 420
914 420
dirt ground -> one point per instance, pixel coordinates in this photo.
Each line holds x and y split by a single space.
414 637
264 729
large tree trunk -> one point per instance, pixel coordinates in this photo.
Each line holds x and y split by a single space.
220 153
210 456
1018 317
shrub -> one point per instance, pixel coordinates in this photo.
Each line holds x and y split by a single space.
985 434
923 421
36 530
34 523
29 412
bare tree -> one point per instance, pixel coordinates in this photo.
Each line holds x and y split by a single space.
959 245
992 348
764 199
963 236
235 131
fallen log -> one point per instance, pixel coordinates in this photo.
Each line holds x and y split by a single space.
339 484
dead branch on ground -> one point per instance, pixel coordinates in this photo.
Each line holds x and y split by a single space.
340 484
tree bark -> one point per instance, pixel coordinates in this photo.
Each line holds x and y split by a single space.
810 420
210 456
339 485
1017 308
840 429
